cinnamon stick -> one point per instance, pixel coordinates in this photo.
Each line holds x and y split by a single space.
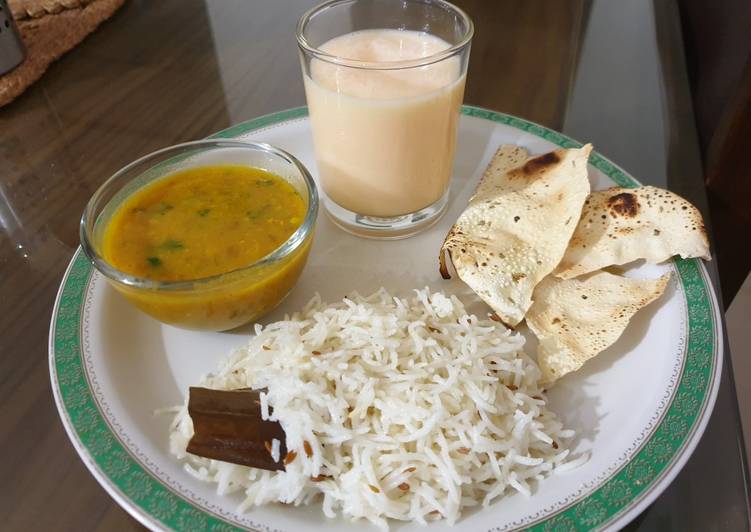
227 426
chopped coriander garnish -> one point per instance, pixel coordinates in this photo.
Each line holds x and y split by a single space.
171 245
154 261
257 213
164 208
203 212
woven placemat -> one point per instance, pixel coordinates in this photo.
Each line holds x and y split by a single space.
49 28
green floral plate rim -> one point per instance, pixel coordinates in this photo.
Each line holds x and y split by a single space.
612 504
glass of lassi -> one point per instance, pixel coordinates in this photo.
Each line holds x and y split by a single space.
384 82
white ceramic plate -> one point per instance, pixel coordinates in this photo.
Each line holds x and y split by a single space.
639 408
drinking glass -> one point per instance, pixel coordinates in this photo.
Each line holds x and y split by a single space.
384 82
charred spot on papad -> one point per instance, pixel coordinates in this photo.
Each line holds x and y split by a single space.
624 204
538 164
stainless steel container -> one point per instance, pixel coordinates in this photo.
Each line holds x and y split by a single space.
12 51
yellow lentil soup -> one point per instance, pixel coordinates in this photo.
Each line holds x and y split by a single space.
205 222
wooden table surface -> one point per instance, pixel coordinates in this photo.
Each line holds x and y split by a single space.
159 73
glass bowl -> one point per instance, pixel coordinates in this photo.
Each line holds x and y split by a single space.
222 301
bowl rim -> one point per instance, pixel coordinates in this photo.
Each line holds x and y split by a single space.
301 234
307 48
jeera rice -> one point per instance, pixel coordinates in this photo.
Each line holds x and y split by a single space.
408 409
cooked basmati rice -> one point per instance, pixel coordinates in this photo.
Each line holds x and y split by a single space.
394 408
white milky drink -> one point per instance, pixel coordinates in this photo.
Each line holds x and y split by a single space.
385 139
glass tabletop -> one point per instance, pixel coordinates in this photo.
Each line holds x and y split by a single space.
159 73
